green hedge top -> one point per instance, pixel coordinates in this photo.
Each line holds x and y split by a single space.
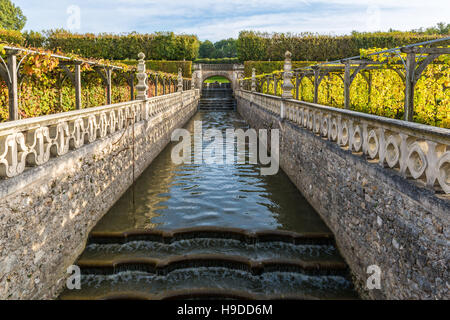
271 66
218 61
256 46
165 66
158 46
12 37
28 38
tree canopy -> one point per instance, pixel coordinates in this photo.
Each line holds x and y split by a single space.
11 16
222 49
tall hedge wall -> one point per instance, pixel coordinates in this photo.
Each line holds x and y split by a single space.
218 61
166 66
271 66
256 46
28 38
12 36
158 46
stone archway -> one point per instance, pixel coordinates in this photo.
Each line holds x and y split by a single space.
232 72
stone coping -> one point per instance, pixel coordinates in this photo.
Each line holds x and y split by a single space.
417 151
31 142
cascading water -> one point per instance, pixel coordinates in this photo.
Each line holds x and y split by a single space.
217 98
138 249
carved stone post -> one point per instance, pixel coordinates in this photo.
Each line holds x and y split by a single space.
180 80
287 83
253 79
287 76
142 87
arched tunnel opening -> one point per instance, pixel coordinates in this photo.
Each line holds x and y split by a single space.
217 94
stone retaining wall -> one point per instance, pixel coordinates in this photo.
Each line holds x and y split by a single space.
47 212
377 216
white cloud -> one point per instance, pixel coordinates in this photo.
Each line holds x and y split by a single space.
219 19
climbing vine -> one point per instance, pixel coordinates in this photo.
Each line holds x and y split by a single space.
387 93
44 88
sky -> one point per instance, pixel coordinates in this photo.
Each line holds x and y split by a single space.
221 19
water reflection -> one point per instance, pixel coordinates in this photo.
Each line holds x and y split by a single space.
169 196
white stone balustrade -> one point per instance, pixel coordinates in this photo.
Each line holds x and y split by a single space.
32 142
416 151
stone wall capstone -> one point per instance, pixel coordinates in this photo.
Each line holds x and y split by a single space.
377 216
47 211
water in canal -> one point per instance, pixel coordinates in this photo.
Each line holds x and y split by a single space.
168 197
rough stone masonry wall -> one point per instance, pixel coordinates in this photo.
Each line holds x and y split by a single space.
47 212
377 217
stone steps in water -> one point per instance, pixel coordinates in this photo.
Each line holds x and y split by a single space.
217 100
257 251
197 294
186 294
268 285
212 262
211 232
165 266
257 246
216 106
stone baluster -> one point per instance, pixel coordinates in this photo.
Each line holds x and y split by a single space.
180 80
194 81
253 79
142 86
287 77
287 83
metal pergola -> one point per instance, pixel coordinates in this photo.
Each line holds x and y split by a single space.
9 72
409 70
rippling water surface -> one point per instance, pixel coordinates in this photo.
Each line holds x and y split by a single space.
169 196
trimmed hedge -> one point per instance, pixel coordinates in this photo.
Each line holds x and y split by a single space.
257 46
28 38
12 36
34 39
158 46
218 61
171 66
271 66
165 66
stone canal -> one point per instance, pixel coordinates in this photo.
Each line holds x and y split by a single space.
211 230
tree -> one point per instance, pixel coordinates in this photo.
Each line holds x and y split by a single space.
226 48
11 16
441 28
207 49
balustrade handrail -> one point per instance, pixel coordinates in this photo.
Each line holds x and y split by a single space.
421 150
416 61
31 142
9 73
414 128
17 125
